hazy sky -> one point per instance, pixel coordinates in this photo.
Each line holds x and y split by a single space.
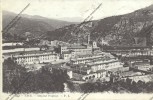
74 8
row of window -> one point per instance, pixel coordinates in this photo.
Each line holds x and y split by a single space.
104 66
90 56
66 55
30 59
98 76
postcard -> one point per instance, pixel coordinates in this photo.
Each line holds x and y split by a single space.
76 50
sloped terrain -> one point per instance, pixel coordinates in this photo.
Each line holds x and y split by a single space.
33 26
133 29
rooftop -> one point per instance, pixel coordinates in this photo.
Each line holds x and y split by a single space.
85 68
76 47
59 66
29 52
141 63
88 55
98 71
18 46
21 56
119 69
78 65
13 41
130 73
66 52
83 59
111 61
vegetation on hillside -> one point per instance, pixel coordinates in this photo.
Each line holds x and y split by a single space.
116 30
17 80
118 87
29 26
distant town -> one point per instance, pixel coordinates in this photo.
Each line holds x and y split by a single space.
84 62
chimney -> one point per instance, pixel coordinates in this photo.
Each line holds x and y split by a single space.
136 40
88 38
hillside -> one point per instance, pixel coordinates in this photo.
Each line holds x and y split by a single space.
33 26
133 29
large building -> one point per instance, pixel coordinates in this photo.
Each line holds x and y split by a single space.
32 57
10 47
94 65
77 49
131 52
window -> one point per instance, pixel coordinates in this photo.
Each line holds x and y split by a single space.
89 77
86 78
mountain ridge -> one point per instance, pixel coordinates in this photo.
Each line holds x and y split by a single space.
35 25
118 30
132 29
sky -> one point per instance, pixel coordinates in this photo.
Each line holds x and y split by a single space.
58 9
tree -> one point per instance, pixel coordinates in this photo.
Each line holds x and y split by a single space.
133 87
149 87
17 79
126 64
12 75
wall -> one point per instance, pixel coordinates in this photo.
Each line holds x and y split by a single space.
95 75
37 59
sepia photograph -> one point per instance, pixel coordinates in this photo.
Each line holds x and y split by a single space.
89 47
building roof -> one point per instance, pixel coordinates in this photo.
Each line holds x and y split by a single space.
103 63
14 47
78 65
30 52
129 73
22 56
66 52
13 41
33 54
98 51
85 68
76 47
87 55
145 78
98 71
101 59
119 69
84 59
59 66
142 63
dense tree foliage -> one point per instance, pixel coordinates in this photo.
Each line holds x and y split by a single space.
120 86
12 75
17 79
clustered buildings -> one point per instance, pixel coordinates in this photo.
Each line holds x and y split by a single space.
81 61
